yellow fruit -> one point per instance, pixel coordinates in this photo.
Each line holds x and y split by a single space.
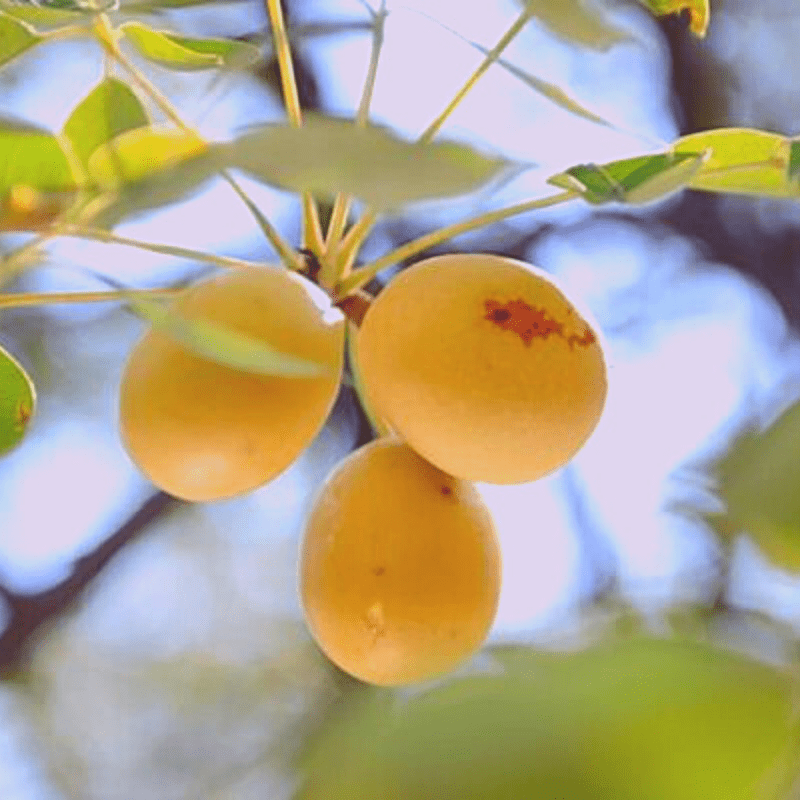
203 431
483 366
400 567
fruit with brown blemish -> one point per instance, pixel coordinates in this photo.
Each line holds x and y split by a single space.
203 431
484 366
399 567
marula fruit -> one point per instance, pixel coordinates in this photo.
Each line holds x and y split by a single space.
399 567
484 366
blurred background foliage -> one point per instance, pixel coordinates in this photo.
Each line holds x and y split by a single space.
646 641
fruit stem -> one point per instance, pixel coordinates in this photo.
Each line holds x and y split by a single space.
341 206
312 229
359 232
107 36
289 256
519 23
23 300
100 235
361 276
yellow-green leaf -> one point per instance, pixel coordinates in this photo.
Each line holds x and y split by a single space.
579 21
633 719
112 107
633 180
223 345
758 482
32 157
699 12
330 155
43 16
186 53
15 38
17 401
133 155
742 160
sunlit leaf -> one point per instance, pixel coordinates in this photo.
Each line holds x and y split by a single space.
15 38
579 21
186 53
699 12
17 401
223 345
758 483
625 720
32 157
329 155
109 109
742 160
135 154
42 16
632 180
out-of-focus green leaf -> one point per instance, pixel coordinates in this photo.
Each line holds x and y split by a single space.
32 157
632 180
794 158
42 16
699 12
330 155
15 38
223 345
632 719
17 401
758 482
186 53
581 22
742 160
137 153
109 109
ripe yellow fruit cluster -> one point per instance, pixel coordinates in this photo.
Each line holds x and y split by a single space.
480 367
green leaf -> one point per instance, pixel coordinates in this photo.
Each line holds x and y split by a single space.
32 157
758 482
15 38
223 345
630 719
742 160
17 401
111 108
330 155
581 22
43 16
134 154
699 12
632 180
794 158
186 53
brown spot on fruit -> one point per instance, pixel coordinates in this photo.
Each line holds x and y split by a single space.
23 414
378 571
526 321
446 491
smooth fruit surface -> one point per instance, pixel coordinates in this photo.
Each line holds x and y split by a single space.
204 431
399 567
483 366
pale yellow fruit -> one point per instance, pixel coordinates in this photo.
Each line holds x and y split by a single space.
483 366
203 431
399 567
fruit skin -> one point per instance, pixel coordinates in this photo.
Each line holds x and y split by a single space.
483 366
202 431
399 567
